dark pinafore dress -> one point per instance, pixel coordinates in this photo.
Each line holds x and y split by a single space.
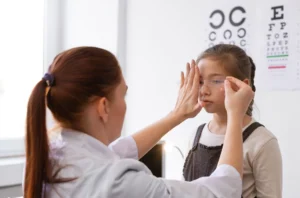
203 160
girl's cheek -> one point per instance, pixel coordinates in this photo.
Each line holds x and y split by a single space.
222 90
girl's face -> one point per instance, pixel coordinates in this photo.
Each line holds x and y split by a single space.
212 76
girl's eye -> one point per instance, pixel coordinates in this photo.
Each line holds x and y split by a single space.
217 81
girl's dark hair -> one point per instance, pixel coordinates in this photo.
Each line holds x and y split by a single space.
75 77
235 61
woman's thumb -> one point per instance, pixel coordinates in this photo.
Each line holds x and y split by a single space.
227 86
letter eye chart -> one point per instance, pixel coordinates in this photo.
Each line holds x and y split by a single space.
277 39
281 46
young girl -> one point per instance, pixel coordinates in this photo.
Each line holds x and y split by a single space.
262 175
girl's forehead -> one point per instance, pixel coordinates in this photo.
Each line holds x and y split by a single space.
210 67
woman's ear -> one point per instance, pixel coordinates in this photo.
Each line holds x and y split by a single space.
103 109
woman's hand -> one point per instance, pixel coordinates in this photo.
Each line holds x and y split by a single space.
238 96
188 105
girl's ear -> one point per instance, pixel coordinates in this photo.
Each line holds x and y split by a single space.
246 81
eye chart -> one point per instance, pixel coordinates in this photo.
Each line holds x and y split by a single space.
280 40
228 24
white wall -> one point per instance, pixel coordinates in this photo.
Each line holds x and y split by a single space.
161 37
90 23
21 60
73 23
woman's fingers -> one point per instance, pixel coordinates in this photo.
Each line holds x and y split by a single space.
196 82
237 82
187 101
238 85
182 79
188 68
192 75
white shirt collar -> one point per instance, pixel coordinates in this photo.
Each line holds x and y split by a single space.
81 140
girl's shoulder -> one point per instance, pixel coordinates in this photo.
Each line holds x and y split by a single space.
260 139
261 136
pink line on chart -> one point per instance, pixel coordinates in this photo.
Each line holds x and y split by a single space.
277 67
